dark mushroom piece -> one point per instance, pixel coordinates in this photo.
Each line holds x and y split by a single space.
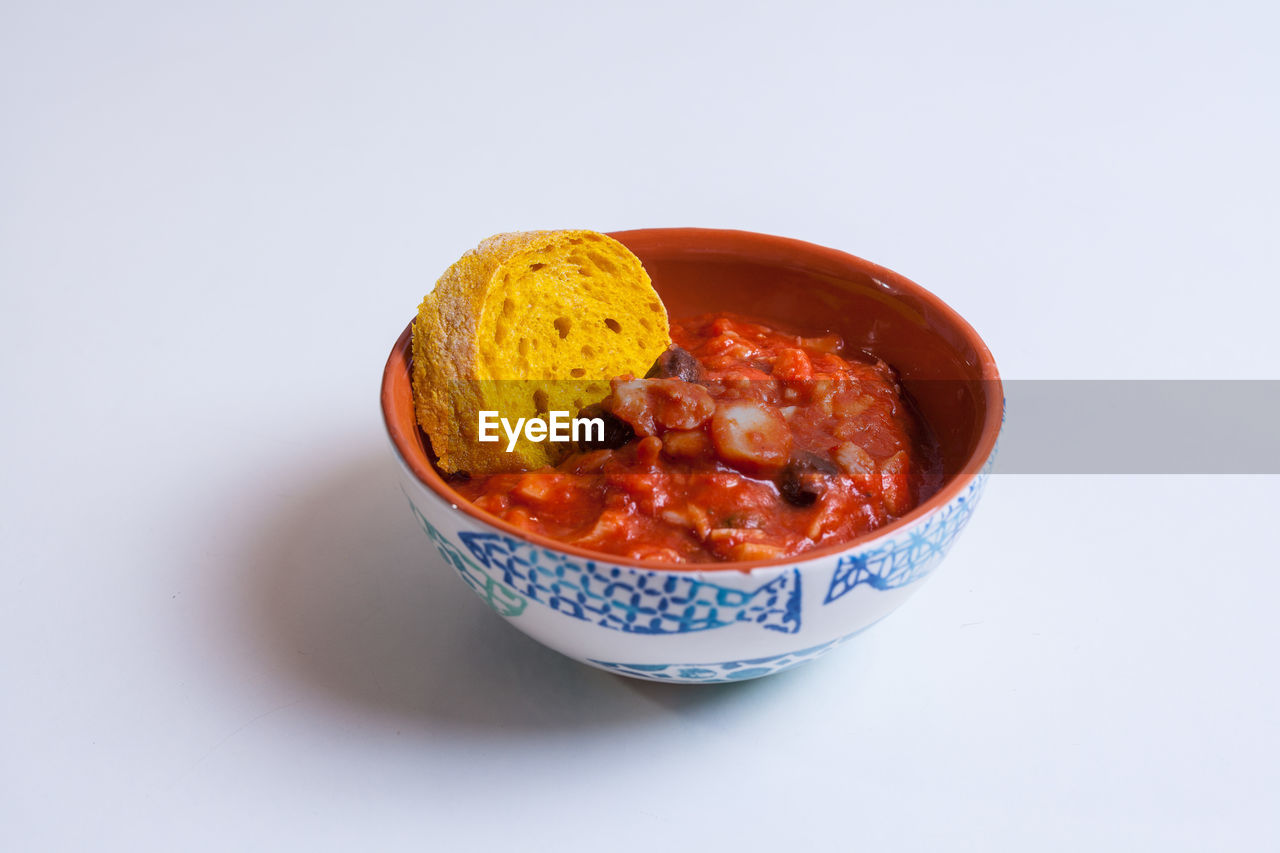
617 432
676 363
805 478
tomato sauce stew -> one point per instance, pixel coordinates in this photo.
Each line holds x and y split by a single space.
742 443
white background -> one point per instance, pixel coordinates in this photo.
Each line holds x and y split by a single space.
220 628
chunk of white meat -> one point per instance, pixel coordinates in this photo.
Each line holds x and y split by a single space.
895 483
859 465
750 437
653 406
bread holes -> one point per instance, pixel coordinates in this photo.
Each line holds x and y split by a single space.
646 325
588 351
655 307
535 267
577 373
540 401
508 308
577 403
563 325
602 262
523 349
614 325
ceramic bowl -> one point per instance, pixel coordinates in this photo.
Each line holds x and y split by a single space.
732 621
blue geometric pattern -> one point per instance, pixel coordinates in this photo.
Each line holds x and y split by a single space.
634 600
507 572
906 559
711 673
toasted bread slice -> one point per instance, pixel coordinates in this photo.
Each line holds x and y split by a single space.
525 324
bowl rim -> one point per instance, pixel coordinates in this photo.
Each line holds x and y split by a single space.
798 251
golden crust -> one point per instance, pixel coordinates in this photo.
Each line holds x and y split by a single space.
526 323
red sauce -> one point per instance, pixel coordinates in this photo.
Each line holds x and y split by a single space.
779 444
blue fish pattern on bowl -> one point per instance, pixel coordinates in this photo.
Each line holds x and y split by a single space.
506 573
910 556
634 600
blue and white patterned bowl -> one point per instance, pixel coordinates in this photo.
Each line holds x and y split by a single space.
729 622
